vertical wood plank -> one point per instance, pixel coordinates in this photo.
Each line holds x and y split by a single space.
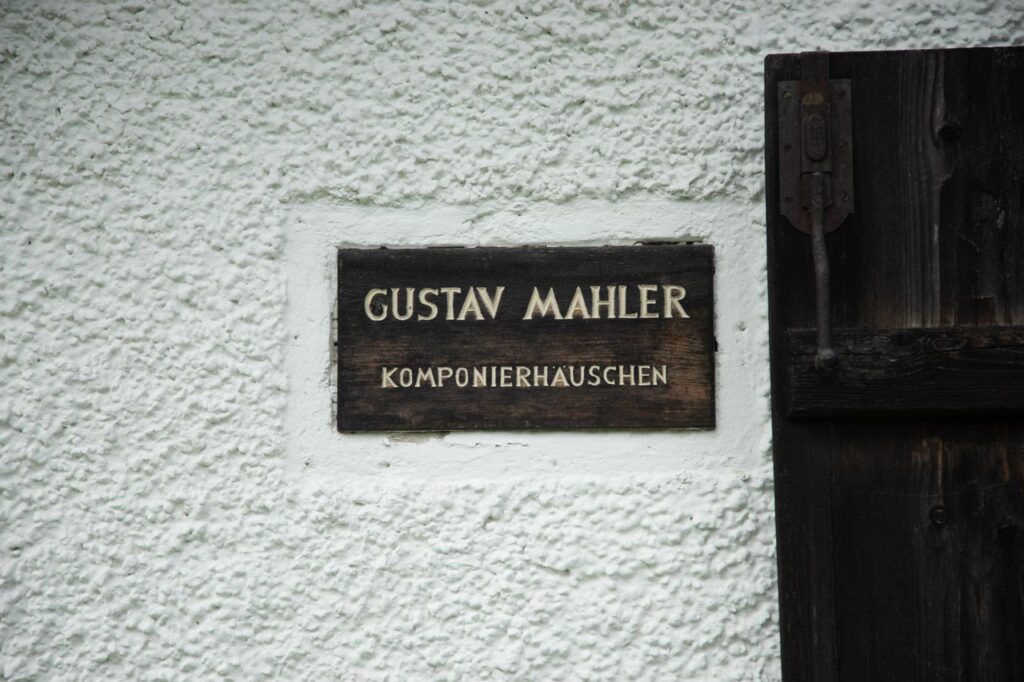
928 571
802 461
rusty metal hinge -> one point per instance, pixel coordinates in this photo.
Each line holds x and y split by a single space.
816 171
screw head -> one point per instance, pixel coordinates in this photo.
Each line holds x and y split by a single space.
826 360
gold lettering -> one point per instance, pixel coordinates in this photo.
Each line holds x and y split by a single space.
623 315
430 304
645 301
673 295
596 303
408 303
449 293
548 305
577 307
368 304
470 305
489 303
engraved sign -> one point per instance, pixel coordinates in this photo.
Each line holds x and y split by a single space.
525 338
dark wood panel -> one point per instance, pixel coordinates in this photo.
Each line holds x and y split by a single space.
937 233
368 349
931 559
803 493
961 371
871 588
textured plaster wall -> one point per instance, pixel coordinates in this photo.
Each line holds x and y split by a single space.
173 501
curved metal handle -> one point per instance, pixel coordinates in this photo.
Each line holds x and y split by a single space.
826 358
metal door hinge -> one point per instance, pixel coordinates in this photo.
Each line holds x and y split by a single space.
816 171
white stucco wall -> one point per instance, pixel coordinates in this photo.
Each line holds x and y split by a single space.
174 503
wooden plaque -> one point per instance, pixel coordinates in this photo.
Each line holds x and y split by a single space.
526 338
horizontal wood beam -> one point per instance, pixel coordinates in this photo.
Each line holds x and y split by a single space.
945 371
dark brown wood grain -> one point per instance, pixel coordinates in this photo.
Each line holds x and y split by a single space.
685 346
946 371
900 527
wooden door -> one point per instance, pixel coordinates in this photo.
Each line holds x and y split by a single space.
899 474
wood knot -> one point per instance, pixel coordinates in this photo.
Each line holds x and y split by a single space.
1007 535
950 131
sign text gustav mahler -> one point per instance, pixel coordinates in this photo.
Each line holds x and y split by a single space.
524 338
